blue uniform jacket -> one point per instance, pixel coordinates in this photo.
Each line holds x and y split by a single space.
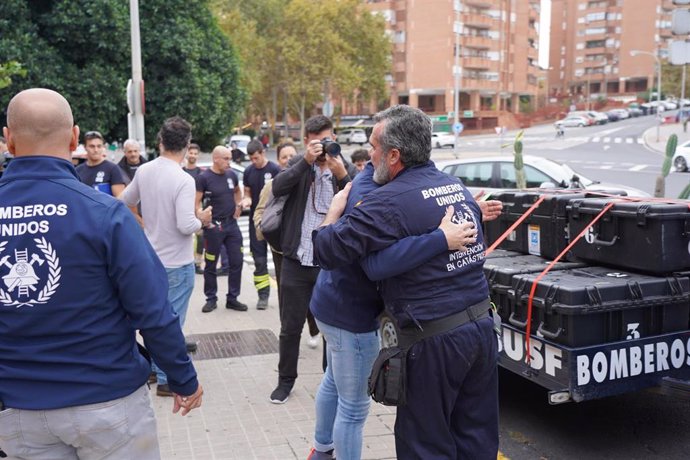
345 297
77 279
413 203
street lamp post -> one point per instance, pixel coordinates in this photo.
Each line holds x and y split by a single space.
658 84
135 119
457 7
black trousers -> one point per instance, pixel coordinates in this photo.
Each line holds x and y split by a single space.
259 250
296 286
227 235
452 396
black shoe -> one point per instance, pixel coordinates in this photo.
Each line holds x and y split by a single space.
281 394
210 305
262 304
236 305
191 347
222 272
164 390
153 378
198 270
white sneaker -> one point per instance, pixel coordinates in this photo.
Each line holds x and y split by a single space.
313 341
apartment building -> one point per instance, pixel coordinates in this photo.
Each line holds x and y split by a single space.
498 54
591 44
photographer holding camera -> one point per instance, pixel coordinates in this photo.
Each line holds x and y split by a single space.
310 181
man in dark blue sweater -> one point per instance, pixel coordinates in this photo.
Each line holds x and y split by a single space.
78 278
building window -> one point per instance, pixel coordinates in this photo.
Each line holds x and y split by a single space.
596 17
595 44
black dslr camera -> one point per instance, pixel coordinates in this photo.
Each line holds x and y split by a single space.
330 147
206 199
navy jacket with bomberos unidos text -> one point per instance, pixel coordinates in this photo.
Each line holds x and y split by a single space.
78 278
413 203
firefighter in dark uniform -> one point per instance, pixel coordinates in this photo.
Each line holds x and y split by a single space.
452 380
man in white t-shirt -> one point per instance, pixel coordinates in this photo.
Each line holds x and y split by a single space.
166 194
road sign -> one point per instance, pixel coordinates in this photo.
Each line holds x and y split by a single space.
458 127
328 108
680 22
468 114
679 52
439 118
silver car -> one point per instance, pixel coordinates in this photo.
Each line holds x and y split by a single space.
494 173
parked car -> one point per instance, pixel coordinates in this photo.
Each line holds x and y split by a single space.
669 105
613 115
574 121
498 172
241 140
599 118
352 136
622 113
440 139
635 111
681 157
584 113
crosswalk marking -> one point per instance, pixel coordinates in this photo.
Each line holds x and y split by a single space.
243 223
552 141
638 167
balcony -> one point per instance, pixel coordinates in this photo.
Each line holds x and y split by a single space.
477 20
481 4
469 41
469 84
477 63
399 66
665 33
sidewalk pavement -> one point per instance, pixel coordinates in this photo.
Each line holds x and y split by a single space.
665 131
237 361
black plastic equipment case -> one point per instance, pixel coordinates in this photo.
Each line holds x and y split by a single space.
650 237
499 253
596 305
499 274
544 232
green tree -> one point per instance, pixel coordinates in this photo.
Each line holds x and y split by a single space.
8 70
252 26
305 49
82 49
671 79
332 48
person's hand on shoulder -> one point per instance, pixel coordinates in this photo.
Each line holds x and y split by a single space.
187 403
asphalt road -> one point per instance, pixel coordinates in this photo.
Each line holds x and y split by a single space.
614 152
643 425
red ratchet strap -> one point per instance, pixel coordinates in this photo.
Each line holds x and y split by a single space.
528 356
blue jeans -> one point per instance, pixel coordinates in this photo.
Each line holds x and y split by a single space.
342 402
181 285
123 428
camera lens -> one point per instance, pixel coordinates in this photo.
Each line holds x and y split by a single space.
331 148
